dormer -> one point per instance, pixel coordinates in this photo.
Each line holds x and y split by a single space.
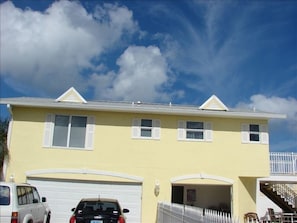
71 95
214 103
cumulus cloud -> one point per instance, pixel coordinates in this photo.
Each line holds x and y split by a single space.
142 73
274 104
48 50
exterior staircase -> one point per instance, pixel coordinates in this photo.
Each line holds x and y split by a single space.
281 194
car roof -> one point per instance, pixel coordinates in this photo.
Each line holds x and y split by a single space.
99 199
14 184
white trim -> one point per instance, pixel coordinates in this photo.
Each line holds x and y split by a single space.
48 130
70 95
208 132
263 133
9 131
155 129
182 131
49 125
202 176
279 179
214 103
90 132
32 173
143 108
245 133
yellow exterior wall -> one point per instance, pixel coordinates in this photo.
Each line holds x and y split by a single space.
153 160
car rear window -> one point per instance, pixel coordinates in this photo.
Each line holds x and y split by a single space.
98 207
4 195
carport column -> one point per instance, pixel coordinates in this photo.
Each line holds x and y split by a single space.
246 196
234 200
150 199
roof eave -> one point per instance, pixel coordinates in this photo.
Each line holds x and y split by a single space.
142 108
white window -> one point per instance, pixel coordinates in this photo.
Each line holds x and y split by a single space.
194 131
146 128
254 133
69 131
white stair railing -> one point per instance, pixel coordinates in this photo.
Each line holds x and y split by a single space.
286 193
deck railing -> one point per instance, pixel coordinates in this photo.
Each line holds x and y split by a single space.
282 163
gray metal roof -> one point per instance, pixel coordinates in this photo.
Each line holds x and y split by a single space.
138 107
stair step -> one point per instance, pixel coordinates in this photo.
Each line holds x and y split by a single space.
271 191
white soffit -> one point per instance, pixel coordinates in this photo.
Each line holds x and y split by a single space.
71 95
214 103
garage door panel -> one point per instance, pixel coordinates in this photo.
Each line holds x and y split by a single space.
62 196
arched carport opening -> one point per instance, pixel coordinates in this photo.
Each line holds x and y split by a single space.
204 191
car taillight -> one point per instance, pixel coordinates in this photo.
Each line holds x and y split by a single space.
14 217
121 220
72 219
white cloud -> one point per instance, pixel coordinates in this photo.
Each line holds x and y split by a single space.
286 106
47 50
142 72
209 52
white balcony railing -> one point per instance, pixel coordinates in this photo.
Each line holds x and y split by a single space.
283 163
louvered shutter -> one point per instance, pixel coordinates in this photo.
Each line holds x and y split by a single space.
208 131
9 132
264 136
48 130
181 131
156 129
245 136
90 131
136 128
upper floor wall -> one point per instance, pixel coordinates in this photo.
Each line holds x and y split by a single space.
139 137
214 145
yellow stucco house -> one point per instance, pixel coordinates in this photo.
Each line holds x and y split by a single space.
208 156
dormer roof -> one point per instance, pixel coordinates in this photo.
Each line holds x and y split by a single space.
214 103
71 95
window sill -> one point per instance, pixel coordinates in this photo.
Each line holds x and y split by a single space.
69 148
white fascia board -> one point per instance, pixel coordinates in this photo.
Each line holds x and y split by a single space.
279 179
139 108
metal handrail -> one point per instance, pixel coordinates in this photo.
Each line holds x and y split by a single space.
283 163
286 193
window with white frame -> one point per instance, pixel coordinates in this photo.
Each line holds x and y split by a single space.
69 131
146 128
254 133
194 130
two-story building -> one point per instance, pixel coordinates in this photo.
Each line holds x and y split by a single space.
208 156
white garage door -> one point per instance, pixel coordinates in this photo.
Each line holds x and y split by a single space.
62 196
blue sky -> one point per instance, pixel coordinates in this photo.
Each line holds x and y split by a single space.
245 52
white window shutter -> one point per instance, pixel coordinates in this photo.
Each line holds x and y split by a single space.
90 131
136 128
264 136
208 131
181 131
245 135
9 132
156 129
48 130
